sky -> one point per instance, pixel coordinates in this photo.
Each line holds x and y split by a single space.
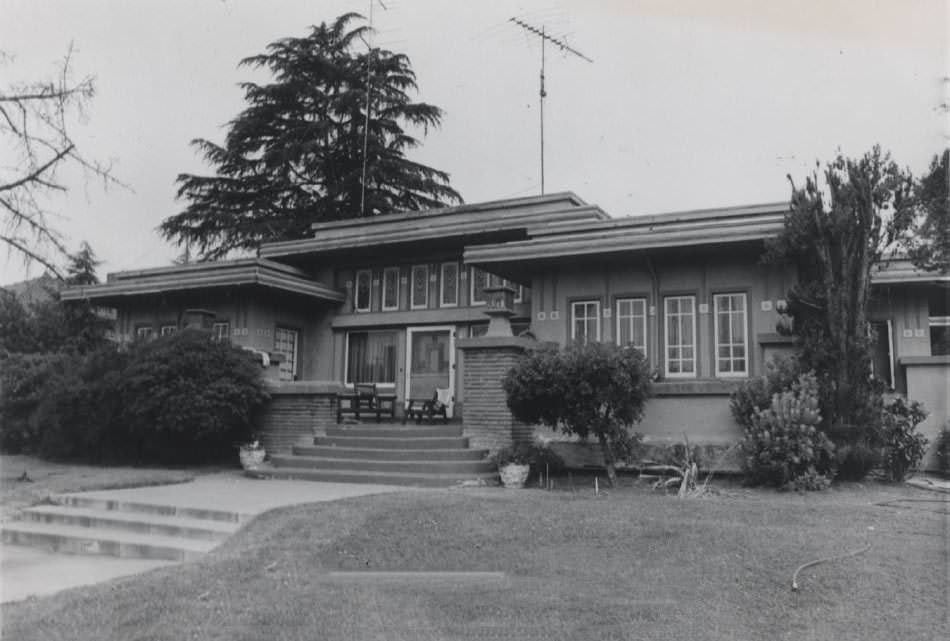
687 104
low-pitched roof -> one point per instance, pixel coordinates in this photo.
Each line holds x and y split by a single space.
901 270
489 221
556 240
250 271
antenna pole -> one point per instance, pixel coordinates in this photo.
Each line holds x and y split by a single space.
545 38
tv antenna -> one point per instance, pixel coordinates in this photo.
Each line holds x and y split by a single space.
564 47
369 93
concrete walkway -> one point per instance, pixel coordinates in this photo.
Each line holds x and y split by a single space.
26 571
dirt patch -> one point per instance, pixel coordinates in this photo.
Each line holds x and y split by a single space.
28 480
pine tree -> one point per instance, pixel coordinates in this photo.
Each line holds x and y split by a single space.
294 155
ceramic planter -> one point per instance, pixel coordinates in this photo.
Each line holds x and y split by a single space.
514 475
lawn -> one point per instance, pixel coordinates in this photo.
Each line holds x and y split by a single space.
628 564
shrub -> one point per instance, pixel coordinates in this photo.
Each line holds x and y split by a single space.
594 389
943 449
756 394
187 399
783 445
23 378
903 447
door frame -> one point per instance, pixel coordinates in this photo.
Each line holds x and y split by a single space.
431 328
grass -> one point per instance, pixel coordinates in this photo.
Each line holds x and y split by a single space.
630 564
28 480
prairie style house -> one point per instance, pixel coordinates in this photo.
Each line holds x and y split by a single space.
399 301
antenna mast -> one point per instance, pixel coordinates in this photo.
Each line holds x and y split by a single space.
369 91
542 34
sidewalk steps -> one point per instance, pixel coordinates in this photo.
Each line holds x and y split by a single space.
396 431
82 540
416 443
79 524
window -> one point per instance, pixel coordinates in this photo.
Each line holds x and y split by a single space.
144 332
364 289
168 330
371 357
479 281
285 343
450 285
390 288
221 332
680 312
585 321
420 287
519 293
939 323
731 335
632 323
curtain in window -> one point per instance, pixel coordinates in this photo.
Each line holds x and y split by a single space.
372 357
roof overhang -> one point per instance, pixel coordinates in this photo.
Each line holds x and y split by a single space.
900 271
253 272
733 227
450 228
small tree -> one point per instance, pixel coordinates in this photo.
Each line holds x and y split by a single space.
594 389
839 225
929 248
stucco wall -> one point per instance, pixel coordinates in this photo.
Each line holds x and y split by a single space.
927 382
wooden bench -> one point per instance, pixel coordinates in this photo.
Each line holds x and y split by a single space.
365 398
437 405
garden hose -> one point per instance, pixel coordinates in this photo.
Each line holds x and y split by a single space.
825 560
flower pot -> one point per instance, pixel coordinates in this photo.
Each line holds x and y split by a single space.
251 459
514 475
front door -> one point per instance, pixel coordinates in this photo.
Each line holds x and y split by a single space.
430 362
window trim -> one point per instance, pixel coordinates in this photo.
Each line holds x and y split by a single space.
442 267
646 320
745 344
597 317
356 290
296 364
227 335
412 286
666 344
170 326
346 356
519 292
471 287
144 332
383 305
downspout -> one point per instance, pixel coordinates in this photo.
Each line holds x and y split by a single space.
655 334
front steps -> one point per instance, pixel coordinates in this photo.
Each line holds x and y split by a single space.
75 524
386 453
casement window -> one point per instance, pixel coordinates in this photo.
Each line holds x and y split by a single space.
449 289
680 319
938 321
285 343
478 281
390 289
144 332
371 357
168 330
221 332
419 287
732 342
631 321
585 321
364 290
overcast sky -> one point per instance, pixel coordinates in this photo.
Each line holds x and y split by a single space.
687 104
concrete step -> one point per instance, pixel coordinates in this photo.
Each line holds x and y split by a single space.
73 539
142 523
95 503
389 454
408 443
425 466
384 478
396 431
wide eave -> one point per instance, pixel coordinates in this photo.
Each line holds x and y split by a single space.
257 273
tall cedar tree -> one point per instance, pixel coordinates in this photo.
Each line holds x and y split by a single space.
295 154
930 247
839 225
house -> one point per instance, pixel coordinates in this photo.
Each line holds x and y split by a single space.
400 300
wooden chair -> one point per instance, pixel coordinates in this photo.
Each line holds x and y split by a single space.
365 397
430 407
